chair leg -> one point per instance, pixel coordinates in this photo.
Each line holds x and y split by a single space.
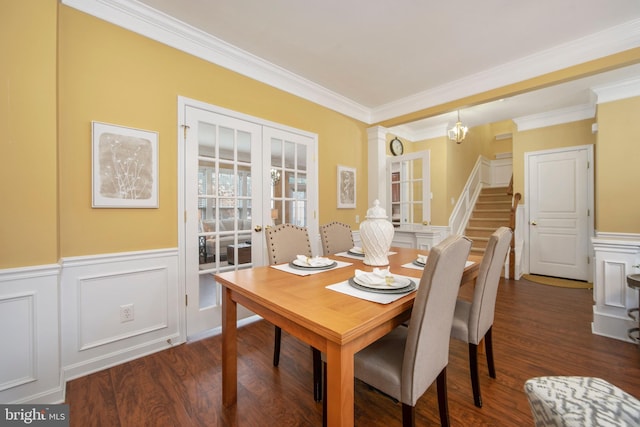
324 394
276 346
473 370
488 343
443 403
408 415
317 374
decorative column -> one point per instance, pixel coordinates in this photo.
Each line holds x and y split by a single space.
377 165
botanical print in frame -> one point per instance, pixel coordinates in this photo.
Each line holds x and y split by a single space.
346 187
125 167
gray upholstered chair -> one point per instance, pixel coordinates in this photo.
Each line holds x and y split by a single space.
473 320
336 237
406 361
284 242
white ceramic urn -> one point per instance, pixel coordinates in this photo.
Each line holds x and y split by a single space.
376 233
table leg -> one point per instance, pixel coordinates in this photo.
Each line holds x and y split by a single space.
340 385
229 350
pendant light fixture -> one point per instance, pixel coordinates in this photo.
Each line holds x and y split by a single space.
458 132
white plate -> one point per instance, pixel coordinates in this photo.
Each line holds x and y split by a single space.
356 250
398 282
317 265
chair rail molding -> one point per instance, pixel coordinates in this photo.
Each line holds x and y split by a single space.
616 256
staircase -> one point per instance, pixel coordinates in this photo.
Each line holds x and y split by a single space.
491 211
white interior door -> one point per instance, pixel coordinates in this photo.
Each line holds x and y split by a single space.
241 174
559 209
222 157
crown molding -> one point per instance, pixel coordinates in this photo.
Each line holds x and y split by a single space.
628 88
556 117
608 42
144 20
151 23
420 133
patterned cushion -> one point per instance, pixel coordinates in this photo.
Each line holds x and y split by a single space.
580 402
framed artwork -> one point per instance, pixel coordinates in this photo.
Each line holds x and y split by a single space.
125 167
346 187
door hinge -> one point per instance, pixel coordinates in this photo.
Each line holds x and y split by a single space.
186 299
588 212
588 260
185 128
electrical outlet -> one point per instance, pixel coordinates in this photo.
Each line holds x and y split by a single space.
357 219
126 313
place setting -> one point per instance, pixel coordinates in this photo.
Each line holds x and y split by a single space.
420 262
304 265
379 285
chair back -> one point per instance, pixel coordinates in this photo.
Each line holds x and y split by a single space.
336 237
285 241
426 351
484 296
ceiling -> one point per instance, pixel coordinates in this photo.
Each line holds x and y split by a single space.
379 59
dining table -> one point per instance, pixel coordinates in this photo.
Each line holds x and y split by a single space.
321 309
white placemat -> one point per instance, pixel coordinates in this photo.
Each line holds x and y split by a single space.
348 255
417 267
288 269
346 288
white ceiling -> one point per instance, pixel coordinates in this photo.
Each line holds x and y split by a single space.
378 59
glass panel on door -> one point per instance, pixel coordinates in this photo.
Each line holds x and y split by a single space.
218 166
289 195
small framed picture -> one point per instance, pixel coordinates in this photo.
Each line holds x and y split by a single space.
125 167
346 187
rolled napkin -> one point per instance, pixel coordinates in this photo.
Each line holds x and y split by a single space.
422 259
315 261
379 276
356 250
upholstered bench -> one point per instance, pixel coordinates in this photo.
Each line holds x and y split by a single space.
580 402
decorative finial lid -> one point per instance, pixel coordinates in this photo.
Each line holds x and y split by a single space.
376 211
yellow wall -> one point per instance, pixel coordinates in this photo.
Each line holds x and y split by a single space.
500 146
61 69
617 159
112 75
564 135
28 205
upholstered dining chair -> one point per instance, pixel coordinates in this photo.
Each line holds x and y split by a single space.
473 320
406 361
284 242
336 237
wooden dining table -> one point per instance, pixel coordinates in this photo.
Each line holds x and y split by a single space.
335 323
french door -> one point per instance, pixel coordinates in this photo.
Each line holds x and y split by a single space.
241 175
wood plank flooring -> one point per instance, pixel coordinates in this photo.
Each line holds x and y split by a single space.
538 330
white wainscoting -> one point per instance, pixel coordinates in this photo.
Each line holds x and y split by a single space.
94 289
29 359
616 256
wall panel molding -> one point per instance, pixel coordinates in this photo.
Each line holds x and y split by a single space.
20 340
29 359
616 256
94 289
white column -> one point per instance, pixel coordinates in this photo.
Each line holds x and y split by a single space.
377 137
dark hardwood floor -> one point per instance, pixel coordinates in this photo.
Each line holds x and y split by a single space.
538 330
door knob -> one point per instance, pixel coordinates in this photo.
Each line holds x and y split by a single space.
258 228
534 223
